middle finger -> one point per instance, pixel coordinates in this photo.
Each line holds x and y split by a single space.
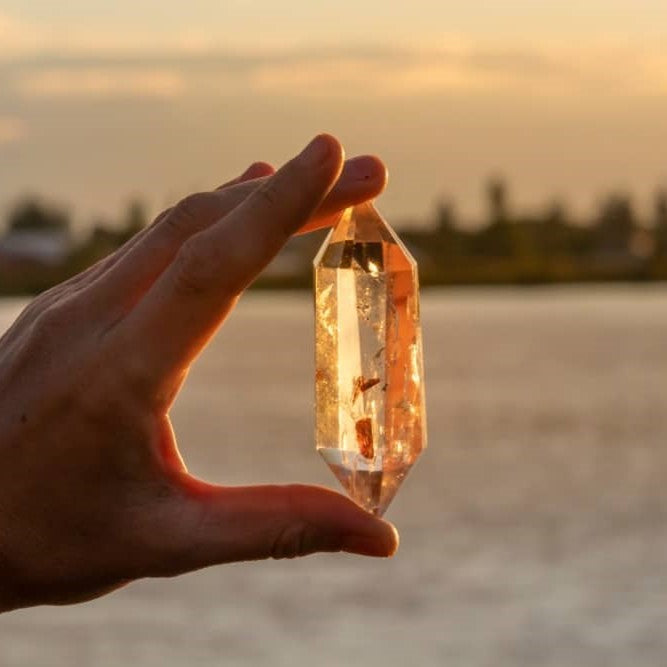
123 284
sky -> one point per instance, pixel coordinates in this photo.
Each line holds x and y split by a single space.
102 101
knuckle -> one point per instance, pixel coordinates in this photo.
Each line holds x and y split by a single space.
196 266
161 217
292 541
270 193
25 321
53 320
193 211
298 537
285 198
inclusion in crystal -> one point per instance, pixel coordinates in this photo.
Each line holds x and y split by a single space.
369 379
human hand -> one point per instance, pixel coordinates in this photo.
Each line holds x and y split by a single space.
93 491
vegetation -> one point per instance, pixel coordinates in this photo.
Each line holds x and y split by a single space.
547 247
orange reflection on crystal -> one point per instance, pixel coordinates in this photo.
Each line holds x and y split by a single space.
369 383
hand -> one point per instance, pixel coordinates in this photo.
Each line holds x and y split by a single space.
93 491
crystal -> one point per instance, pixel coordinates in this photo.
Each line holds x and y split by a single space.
369 379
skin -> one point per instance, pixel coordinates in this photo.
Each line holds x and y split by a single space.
93 491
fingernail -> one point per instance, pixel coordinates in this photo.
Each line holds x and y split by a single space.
363 169
317 152
366 545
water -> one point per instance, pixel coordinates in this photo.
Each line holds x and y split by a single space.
534 528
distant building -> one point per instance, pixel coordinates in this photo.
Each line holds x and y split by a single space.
47 247
32 260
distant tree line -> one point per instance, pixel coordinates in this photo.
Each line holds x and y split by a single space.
544 247
25 271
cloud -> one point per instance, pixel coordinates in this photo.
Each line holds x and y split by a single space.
12 129
17 37
549 71
427 74
453 64
101 82
452 67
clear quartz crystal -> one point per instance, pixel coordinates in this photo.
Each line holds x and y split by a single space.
369 379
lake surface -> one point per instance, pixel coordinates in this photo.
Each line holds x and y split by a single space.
534 529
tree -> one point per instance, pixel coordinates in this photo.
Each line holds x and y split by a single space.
449 239
134 221
660 223
615 225
33 214
496 193
557 235
497 238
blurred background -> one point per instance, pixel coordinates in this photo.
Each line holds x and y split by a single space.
526 149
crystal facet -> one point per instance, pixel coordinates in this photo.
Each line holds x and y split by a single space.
370 416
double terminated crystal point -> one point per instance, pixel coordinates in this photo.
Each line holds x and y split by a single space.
370 417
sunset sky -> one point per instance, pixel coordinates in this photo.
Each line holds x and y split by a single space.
102 100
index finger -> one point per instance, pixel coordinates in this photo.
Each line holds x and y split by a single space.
131 274
180 312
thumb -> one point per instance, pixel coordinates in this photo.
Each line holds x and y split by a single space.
214 525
